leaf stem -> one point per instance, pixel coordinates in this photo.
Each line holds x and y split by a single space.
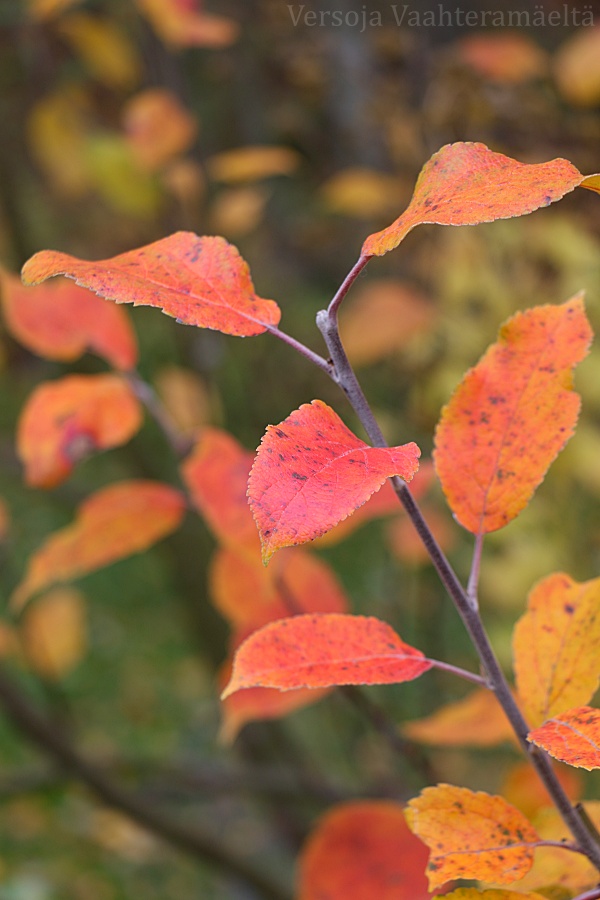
332 309
594 894
195 841
456 670
305 351
495 678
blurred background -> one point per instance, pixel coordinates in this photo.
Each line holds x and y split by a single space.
293 130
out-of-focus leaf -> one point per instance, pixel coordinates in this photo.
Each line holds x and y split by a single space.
382 319
577 67
467 183
361 192
556 647
505 58
322 651
104 48
157 127
363 851
477 720
116 177
54 632
185 397
471 835
115 522
250 596
407 546
198 280
216 474
474 894
238 211
57 131
511 415
64 421
48 9
572 736
529 794
310 472
61 321
182 23
252 163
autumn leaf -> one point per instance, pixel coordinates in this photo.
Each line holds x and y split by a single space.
476 720
467 183
64 421
115 522
183 23
511 415
573 737
216 475
322 651
107 53
199 281
530 795
157 127
250 596
505 58
471 835
310 472
577 67
61 321
474 894
556 647
54 633
253 163
364 851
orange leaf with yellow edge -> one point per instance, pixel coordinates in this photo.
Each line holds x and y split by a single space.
573 737
64 421
310 472
511 415
183 23
324 650
556 646
216 475
114 523
467 183
199 281
477 720
250 596
471 835
259 704
61 321
54 632
558 866
363 850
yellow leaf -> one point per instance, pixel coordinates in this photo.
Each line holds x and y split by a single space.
362 192
53 632
252 163
477 720
105 50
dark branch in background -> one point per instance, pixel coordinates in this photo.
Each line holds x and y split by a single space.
327 322
190 839
180 444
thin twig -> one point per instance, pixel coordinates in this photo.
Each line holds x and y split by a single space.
461 673
180 443
193 840
594 894
305 351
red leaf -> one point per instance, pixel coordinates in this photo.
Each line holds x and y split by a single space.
573 737
467 183
363 851
311 472
511 415
322 651
198 280
61 321
64 421
115 522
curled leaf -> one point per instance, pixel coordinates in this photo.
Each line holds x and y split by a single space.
573 737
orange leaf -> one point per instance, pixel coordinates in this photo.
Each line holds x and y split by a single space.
556 647
311 472
382 318
363 851
506 58
573 737
405 543
113 523
471 835
467 183
474 894
199 281
477 720
61 321
182 23
64 421
250 596
157 127
252 163
530 795
511 415
577 67
216 474
53 632
322 651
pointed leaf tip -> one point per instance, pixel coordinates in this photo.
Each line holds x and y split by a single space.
467 183
200 281
311 472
